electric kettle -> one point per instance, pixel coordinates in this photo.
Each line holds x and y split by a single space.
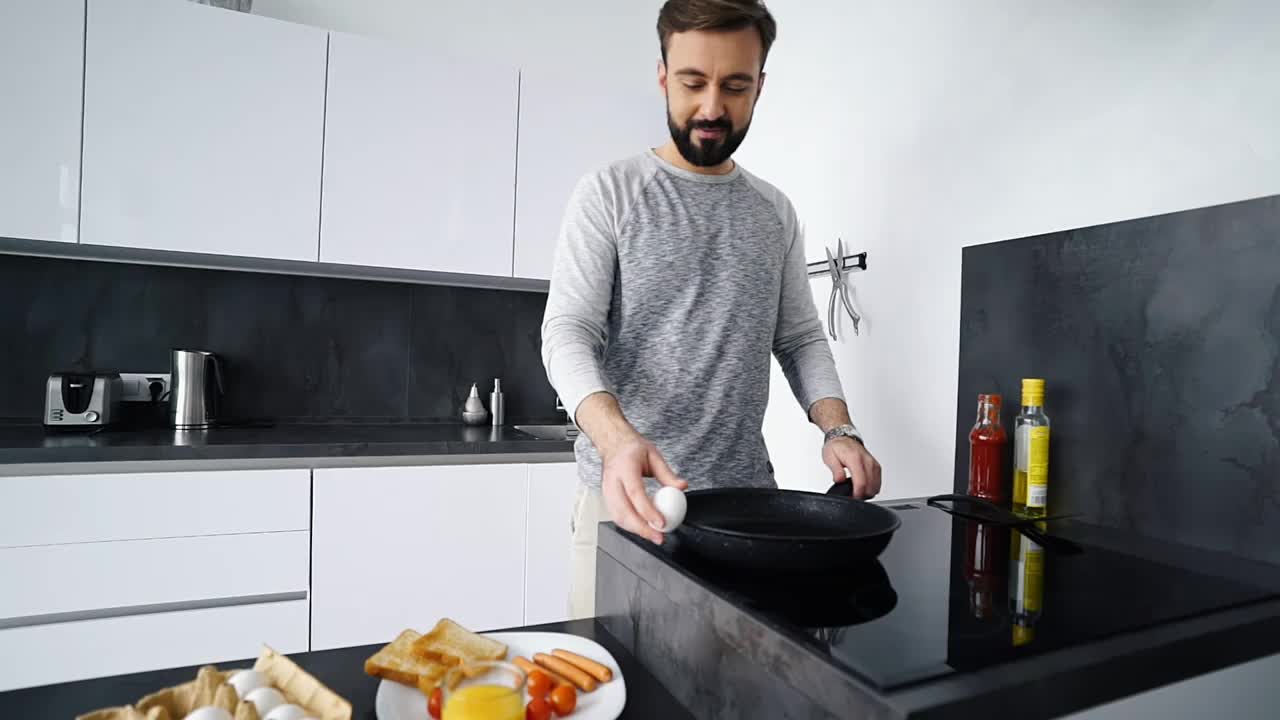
196 388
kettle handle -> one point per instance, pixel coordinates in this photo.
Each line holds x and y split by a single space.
216 403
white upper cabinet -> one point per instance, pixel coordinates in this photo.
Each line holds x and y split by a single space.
41 73
575 119
419 160
202 130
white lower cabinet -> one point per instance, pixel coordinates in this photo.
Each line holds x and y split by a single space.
384 549
548 540
116 573
66 651
141 506
401 547
92 577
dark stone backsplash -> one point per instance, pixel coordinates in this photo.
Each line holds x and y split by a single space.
297 348
1160 342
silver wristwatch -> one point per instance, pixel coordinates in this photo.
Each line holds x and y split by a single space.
848 431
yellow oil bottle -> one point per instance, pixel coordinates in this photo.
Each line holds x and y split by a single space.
1031 452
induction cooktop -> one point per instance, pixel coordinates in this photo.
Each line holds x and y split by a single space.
950 595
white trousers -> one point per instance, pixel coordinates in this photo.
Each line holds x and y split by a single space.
588 512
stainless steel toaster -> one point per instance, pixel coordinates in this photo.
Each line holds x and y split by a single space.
77 399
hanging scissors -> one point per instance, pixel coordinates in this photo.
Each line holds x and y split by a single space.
839 286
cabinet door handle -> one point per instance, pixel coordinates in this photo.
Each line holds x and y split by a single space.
129 610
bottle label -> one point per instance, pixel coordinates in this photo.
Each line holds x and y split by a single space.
1038 467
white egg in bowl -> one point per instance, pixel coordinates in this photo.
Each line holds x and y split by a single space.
286 712
209 712
246 681
265 699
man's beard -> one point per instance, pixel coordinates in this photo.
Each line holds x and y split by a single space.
706 153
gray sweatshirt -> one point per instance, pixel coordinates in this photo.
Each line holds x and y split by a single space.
670 290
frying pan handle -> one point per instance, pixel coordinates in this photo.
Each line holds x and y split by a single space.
842 489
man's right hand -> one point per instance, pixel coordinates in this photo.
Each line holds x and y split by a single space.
628 458
626 463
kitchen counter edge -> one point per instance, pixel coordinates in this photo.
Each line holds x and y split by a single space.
29 452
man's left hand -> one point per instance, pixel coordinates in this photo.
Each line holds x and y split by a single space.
843 453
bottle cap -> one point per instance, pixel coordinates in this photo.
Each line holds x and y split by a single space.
1033 391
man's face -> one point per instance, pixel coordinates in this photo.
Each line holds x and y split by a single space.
712 81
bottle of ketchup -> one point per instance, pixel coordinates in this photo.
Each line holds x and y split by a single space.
988 445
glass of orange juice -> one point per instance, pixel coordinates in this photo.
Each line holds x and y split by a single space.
483 691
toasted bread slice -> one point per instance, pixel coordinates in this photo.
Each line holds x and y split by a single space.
398 663
450 644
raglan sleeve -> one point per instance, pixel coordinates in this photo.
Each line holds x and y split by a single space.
575 325
799 343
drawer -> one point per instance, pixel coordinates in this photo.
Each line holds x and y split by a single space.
45 510
52 579
62 652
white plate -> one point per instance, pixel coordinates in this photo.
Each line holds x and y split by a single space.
400 702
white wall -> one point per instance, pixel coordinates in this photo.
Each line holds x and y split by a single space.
913 129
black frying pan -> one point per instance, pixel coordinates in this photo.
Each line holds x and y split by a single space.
785 531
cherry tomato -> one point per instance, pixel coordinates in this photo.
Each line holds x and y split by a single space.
434 702
538 709
539 684
564 699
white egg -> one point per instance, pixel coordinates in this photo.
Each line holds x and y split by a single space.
246 681
265 699
672 504
209 712
286 712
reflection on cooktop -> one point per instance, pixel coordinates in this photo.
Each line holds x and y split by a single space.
950 595
817 603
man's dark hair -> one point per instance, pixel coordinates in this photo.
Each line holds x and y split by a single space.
686 15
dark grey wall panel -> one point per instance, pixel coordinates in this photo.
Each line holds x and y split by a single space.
297 347
1160 341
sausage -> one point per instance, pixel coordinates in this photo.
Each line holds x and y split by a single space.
582 680
587 665
529 667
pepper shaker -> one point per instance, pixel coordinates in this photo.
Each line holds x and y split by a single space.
473 412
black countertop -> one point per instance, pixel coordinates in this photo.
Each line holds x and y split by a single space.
342 670
951 621
25 444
